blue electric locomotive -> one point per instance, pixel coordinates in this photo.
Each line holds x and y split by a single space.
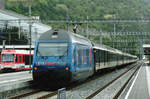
62 55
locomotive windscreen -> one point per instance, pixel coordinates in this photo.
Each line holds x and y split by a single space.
52 49
8 58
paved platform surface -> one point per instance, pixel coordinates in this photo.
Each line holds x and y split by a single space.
12 83
140 87
15 76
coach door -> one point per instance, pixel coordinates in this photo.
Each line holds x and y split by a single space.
19 58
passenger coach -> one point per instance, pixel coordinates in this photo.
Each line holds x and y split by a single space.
17 60
107 57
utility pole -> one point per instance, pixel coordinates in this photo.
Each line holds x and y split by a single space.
67 22
100 38
36 33
30 27
29 8
114 35
87 34
19 32
114 28
30 30
2 4
4 41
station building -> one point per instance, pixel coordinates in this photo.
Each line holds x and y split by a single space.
15 29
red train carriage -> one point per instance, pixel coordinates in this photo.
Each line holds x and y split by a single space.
0 57
15 59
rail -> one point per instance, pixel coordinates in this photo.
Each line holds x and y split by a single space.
76 85
25 94
109 83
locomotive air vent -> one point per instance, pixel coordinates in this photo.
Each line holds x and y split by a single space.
55 34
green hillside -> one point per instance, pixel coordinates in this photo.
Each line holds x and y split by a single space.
94 9
79 9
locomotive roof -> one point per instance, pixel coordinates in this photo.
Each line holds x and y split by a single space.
112 50
64 35
107 48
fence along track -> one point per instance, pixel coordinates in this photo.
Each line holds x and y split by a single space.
105 86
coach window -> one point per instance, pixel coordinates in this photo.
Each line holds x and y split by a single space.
16 58
87 56
19 58
76 56
106 57
80 57
23 58
83 56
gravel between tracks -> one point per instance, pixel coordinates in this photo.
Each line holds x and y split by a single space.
110 91
84 90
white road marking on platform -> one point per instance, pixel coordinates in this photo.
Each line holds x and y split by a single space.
148 79
127 95
13 80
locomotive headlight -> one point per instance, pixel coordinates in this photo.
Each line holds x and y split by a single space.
94 51
35 68
67 68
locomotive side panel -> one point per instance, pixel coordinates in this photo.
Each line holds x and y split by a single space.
83 61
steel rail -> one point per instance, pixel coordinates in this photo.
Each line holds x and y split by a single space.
106 85
48 95
55 92
25 94
72 87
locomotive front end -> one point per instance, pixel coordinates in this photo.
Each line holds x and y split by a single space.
52 61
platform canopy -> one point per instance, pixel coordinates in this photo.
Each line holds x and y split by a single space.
13 19
146 48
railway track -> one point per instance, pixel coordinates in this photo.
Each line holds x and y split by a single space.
48 94
96 92
38 94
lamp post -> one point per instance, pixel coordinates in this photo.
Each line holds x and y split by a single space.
30 43
30 30
87 34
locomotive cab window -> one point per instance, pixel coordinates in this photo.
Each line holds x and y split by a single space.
52 49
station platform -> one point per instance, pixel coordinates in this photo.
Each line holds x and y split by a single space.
140 87
13 81
14 77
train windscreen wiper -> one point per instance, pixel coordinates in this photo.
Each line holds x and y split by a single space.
63 54
38 53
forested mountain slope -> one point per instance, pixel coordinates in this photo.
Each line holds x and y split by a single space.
79 9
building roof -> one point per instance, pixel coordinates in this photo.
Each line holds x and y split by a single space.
146 46
13 19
